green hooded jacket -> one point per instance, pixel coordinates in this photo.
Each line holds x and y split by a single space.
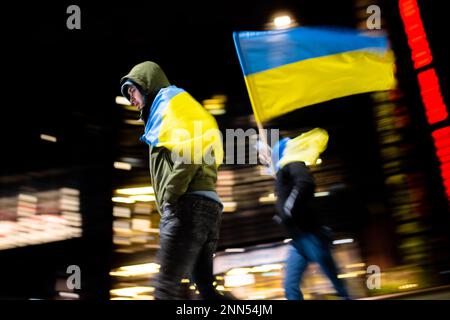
169 180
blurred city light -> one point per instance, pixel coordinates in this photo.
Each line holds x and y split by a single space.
49 138
408 286
122 101
121 212
282 22
134 122
267 268
355 265
321 194
239 280
351 274
229 206
136 191
143 198
131 292
69 295
41 217
136 270
123 200
216 104
122 165
238 271
235 250
343 241
270 198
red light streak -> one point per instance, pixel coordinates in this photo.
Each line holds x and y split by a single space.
441 139
435 108
417 39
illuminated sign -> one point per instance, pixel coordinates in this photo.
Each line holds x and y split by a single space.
435 108
441 139
415 32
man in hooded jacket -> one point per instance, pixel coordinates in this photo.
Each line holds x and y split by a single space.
185 195
294 186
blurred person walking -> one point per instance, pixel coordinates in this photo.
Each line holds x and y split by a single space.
190 208
294 186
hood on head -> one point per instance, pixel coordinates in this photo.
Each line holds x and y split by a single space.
149 76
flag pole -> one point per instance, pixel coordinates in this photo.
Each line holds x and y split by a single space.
253 99
262 136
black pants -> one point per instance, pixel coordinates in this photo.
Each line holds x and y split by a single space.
189 233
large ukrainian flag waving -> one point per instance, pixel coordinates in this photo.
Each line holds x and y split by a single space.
292 68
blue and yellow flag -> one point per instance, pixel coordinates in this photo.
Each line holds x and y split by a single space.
181 124
292 68
306 148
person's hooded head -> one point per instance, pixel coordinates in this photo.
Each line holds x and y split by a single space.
141 85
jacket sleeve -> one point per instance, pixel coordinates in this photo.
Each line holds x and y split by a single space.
179 180
302 190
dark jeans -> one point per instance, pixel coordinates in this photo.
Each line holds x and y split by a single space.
189 233
305 248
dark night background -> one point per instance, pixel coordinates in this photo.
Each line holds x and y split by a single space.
64 83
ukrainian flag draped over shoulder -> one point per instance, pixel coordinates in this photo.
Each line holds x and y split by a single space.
179 123
306 148
292 68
